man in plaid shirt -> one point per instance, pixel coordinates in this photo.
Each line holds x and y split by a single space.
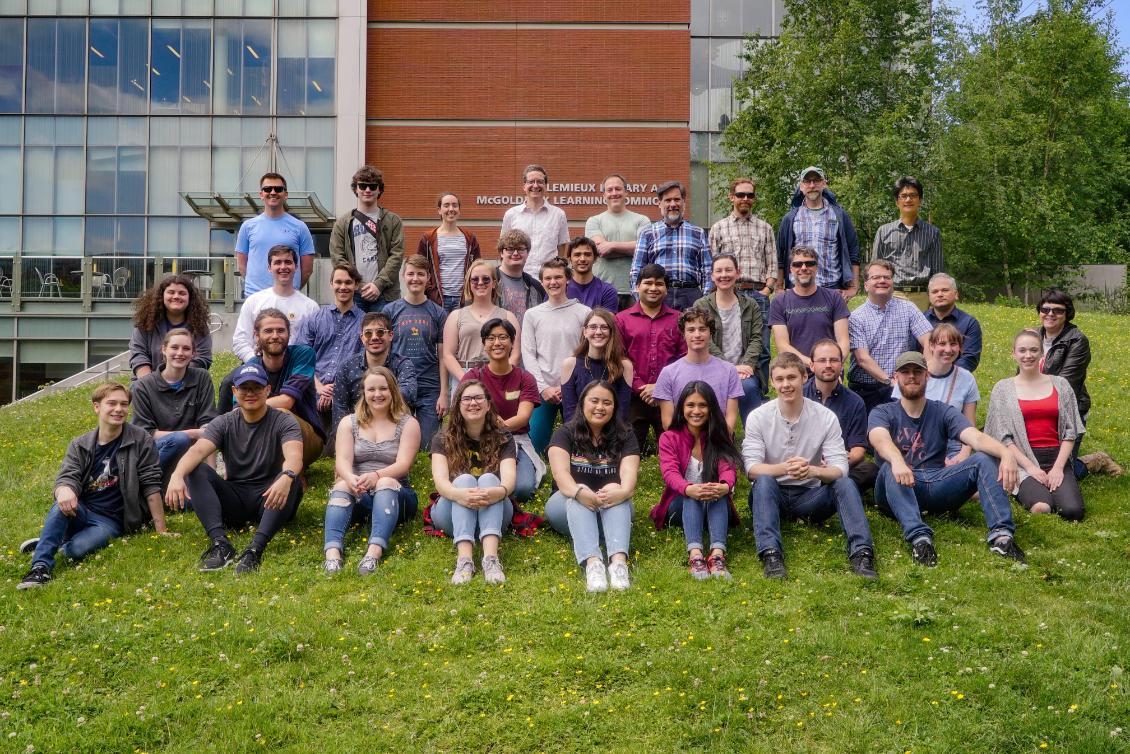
750 239
817 221
678 246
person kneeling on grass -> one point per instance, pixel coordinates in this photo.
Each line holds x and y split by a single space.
109 484
794 455
474 468
911 436
699 464
262 448
375 450
595 460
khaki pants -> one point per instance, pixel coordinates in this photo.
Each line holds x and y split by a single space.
311 441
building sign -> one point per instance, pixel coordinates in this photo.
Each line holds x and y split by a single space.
586 194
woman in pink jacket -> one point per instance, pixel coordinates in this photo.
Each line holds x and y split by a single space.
699 464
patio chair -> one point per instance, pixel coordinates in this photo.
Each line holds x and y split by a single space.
120 280
48 284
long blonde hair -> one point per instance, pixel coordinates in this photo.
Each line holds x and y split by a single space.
397 408
496 294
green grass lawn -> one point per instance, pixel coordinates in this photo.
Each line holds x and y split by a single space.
135 650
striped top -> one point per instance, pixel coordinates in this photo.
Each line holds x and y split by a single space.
916 252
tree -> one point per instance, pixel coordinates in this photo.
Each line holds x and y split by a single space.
1034 159
847 86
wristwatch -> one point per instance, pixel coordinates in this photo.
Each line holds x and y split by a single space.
290 474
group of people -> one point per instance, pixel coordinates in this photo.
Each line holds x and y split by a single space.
579 357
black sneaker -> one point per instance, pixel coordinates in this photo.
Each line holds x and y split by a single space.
248 562
924 553
36 577
28 546
218 557
773 565
863 563
1006 548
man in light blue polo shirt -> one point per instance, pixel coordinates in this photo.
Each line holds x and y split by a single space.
273 227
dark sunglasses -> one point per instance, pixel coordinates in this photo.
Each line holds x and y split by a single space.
803 263
366 187
482 281
745 195
273 189
1053 310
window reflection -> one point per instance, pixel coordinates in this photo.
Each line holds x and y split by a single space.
242 84
117 55
11 64
56 65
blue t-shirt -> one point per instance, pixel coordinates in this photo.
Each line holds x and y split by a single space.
921 441
258 235
419 331
101 490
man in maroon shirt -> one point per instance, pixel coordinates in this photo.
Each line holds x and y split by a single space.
650 330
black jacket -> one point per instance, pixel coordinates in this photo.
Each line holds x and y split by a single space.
1068 357
139 473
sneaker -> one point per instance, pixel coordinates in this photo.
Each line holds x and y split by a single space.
217 557
596 576
492 570
863 563
924 553
249 561
333 566
773 565
716 564
698 567
36 577
1006 548
464 571
28 546
367 565
1100 462
618 576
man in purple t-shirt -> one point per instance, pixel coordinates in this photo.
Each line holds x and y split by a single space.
806 313
697 326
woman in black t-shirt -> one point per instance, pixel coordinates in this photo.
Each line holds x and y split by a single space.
595 459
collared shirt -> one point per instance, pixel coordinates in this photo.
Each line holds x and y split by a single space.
820 229
348 388
969 327
885 333
681 249
916 252
752 241
848 408
547 229
815 435
651 344
333 335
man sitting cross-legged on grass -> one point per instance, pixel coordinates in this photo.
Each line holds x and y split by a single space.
911 436
262 448
109 484
794 455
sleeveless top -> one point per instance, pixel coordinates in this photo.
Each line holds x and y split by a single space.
374 456
468 342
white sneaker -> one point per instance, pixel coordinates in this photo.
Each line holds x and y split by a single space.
464 571
596 577
492 570
618 576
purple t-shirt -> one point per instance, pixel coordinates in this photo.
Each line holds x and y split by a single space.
808 318
720 375
921 441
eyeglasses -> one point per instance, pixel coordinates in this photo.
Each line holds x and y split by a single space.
481 281
1057 311
516 250
500 338
273 189
880 277
804 263
535 181
472 398
828 360
380 332
366 187
909 195
745 195
597 328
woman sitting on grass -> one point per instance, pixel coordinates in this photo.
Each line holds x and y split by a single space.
595 460
473 467
1037 417
599 356
699 464
376 446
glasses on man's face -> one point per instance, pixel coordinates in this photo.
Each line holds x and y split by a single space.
535 181
744 195
516 251
468 399
828 360
482 281
1056 311
804 263
908 195
880 277
273 189
597 328
380 332
366 186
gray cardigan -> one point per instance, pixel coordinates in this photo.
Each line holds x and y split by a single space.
1005 423
157 406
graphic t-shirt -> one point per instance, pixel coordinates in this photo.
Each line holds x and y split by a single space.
594 469
101 491
922 441
419 331
509 450
513 293
507 391
808 318
366 248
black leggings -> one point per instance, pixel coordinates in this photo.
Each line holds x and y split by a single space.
1067 500
218 502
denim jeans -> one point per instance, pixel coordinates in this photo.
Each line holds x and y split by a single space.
367 306
768 500
751 386
695 516
525 482
79 535
586 527
946 489
451 303
762 360
541 424
426 398
385 508
681 299
170 448
872 393
460 522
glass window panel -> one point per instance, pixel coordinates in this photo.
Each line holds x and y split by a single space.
700 17
182 58
53 235
220 241
13 7
320 174
132 132
292 7
726 17
182 7
306 67
225 169
9 235
181 237
724 68
113 236
757 18
243 67
254 131
778 16
10 131
73 7
53 179
11 65
101 186
258 7
700 149
10 167
195 132
131 180
322 8
99 236
225 132
70 71
700 85
176 169
164 131
102 131
164 79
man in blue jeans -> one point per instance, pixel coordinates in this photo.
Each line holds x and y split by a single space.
794 455
109 484
910 436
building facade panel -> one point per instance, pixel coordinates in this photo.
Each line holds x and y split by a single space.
518 11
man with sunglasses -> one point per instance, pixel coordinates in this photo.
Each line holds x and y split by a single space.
371 239
806 313
817 221
518 290
543 223
911 244
274 227
376 339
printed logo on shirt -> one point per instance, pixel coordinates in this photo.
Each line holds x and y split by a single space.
513 395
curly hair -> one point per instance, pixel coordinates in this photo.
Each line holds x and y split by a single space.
149 309
613 352
492 439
